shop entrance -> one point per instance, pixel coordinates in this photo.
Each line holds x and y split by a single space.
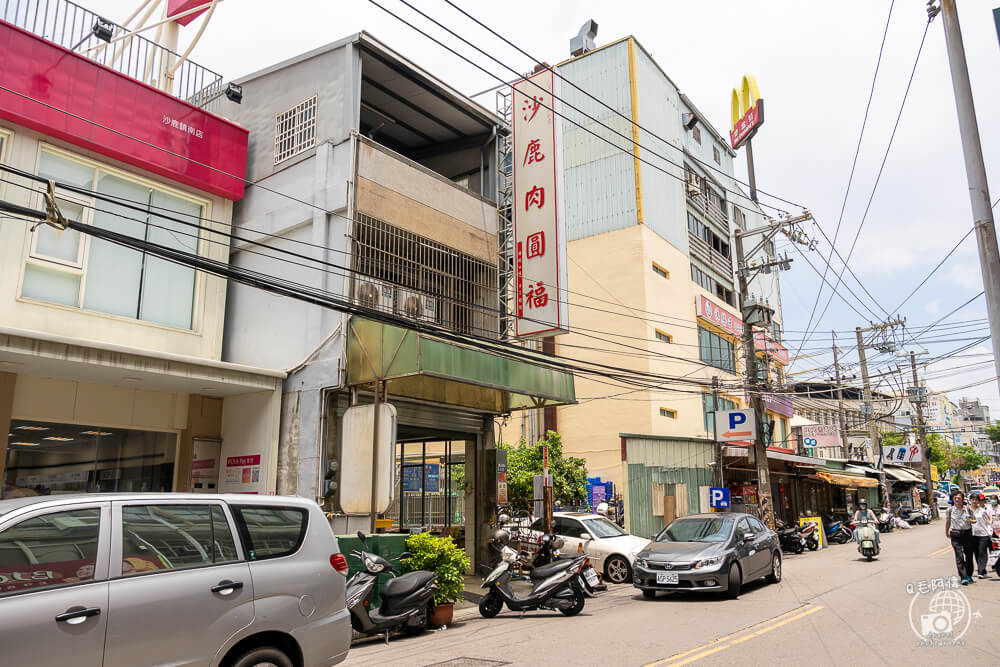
430 489
49 458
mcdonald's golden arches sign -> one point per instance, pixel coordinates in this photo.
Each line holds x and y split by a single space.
747 111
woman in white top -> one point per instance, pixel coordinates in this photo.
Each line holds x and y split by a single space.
982 530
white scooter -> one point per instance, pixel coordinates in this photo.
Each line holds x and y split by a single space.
867 543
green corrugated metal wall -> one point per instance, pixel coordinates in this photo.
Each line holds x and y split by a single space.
641 478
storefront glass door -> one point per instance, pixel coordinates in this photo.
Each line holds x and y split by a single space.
48 458
430 492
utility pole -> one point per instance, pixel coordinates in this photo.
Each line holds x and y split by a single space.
880 328
922 434
755 313
975 171
719 475
872 425
841 415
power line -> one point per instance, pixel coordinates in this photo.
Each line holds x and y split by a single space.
854 163
630 140
607 106
878 177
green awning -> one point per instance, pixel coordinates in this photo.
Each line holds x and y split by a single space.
420 366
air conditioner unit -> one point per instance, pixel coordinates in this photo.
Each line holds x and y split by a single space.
373 294
416 306
693 187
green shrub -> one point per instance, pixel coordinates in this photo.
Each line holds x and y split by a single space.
443 558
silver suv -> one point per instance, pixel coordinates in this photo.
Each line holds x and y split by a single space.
120 580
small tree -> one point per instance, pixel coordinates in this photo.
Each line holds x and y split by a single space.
524 461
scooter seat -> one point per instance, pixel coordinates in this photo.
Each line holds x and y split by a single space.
405 584
543 571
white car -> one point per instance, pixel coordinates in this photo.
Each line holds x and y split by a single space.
942 499
611 550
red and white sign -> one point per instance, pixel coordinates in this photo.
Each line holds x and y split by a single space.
541 306
239 461
747 125
722 318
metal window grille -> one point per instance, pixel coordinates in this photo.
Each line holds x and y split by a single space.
411 276
295 130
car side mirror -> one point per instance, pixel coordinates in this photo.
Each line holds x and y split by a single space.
747 537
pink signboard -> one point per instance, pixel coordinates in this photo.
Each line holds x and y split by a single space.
239 461
725 320
67 96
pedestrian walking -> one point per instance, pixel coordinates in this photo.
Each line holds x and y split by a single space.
982 531
958 529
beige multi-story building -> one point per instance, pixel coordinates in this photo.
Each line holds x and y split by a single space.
651 271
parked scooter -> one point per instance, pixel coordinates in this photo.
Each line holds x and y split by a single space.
867 544
886 522
811 535
558 585
791 538
838 533
407 599
548 552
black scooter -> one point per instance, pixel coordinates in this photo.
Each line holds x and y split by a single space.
791 538
548 552
407 599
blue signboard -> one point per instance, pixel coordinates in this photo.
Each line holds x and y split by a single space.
718 497
413 477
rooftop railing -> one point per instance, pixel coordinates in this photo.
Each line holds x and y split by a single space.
81 30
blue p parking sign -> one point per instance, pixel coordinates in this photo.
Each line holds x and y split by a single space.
718 497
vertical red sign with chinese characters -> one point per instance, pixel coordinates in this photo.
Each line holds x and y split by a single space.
540 301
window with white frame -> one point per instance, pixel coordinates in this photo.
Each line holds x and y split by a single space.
76 270
295 130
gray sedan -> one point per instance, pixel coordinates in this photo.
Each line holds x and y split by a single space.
708 552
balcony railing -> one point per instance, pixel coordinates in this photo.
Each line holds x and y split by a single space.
73 27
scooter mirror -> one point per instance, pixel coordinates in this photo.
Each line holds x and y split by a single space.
361 536
404 555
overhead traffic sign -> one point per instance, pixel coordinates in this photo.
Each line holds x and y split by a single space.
733 425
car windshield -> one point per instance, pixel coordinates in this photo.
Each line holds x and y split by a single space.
697 530
601 528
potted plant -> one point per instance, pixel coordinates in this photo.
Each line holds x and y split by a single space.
440 556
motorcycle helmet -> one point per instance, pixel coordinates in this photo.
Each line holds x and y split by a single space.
501 538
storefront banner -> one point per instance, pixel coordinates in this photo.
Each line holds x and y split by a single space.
820 435
241 472
902 454
540 295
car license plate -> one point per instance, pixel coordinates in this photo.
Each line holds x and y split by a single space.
666 577
590 576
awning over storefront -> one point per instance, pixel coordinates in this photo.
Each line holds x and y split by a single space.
741 452
840 479
420 366
903 475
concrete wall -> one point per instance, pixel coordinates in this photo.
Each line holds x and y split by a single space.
333 76
22 150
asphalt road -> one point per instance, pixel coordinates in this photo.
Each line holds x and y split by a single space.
830 609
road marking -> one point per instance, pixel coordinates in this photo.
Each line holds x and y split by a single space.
741 636
941 551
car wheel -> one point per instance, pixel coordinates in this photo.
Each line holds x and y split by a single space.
735 581
775 575
263 656
617 570
490 605
648 593
577 607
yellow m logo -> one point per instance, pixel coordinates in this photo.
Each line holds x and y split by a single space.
744 98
